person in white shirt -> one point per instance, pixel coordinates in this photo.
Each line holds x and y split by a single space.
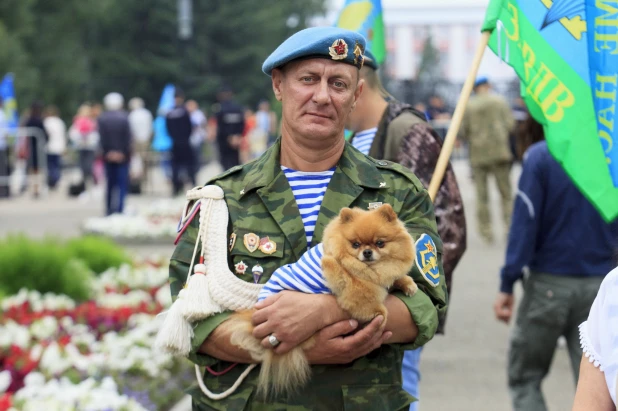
597 388
56 146
141 123
198 135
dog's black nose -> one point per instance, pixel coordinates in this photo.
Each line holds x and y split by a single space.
367 253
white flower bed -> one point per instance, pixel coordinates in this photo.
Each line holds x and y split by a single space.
158 220
66 355
62 395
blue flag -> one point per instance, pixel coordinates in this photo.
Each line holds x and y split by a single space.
7 92
162 140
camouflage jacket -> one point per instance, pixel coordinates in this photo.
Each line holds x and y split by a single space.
403 137
486 126
261 201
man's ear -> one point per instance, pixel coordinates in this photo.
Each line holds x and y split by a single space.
277 78
359 90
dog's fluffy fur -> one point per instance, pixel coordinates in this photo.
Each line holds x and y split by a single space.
365 254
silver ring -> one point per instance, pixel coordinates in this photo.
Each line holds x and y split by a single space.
273 340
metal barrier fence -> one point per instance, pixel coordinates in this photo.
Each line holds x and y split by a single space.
151 159
22 145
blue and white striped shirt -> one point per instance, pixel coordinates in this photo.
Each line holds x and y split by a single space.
362 141
309 189
305 276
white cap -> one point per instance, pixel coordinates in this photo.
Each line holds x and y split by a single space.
113 101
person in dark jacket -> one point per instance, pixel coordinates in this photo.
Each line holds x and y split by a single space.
180 128
115 134
230 128
36 141
568 249
394 131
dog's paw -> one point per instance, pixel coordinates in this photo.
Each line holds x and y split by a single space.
410 289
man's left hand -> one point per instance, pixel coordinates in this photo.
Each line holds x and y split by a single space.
293 317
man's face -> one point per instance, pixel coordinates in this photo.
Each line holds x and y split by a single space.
317 96
179 101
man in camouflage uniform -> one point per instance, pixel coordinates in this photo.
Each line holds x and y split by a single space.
403 136
318 86
487 123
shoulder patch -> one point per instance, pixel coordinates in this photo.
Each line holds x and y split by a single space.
427 260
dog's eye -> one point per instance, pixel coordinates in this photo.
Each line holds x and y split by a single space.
380 243
355 244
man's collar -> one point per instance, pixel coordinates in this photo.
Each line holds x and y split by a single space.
360 170
265 168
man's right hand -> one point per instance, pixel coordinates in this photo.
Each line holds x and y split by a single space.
334 346
503 307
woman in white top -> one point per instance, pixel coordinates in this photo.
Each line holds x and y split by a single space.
598 377
56 145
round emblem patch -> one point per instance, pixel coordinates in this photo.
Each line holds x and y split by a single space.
427 260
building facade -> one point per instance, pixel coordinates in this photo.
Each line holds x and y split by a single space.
454 28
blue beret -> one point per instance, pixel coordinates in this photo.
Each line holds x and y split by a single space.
480 81
321 42
370 60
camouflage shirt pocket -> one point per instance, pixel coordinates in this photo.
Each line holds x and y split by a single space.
246 255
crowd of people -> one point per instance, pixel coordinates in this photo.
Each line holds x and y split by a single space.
234 134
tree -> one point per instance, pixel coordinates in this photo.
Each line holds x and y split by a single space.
70 51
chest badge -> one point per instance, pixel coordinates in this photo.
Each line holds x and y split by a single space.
251 241
232 241
241 268
257 272
373 206
267 246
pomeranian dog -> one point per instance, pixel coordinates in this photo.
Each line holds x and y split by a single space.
366 253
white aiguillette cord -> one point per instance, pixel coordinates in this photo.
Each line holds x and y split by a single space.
226 393
205 221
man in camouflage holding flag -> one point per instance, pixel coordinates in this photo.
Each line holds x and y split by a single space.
315 74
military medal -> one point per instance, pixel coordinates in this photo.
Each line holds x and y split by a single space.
251 241
358 54
232 241
267 246
339 50
241 268
257 271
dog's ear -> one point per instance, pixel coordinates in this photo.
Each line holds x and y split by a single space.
346 215
387 212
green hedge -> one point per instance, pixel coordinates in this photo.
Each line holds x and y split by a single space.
98 253
50 265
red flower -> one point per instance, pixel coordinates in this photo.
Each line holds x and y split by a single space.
5 402
64 340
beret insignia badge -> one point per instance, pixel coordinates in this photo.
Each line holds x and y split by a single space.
359 59
339 50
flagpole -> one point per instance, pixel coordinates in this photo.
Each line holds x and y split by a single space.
451 135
